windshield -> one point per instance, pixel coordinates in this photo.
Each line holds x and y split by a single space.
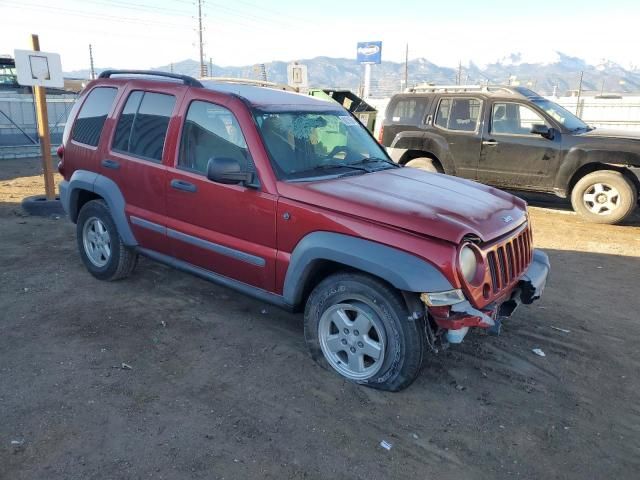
562 115
307 145
8 75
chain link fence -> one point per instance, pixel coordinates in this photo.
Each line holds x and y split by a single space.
18 128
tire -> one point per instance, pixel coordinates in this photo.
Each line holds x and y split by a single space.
350 300
100 245
39 206
423 163
604 196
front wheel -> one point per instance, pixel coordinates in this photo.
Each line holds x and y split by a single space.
359 327
604 196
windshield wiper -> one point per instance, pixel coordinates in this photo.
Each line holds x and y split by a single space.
330 166
378 159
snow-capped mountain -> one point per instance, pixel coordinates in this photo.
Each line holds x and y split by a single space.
544 74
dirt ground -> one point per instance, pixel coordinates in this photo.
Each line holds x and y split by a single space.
221 386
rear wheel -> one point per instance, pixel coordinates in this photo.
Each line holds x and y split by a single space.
359 327
604 196
424 163
100 245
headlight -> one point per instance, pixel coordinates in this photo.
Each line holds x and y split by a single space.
468 263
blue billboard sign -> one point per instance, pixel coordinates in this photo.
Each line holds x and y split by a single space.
369 52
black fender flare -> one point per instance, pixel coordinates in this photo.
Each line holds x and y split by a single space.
105 188
428 142
401 269
579 157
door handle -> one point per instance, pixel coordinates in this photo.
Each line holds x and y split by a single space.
112 164
184 186
490 143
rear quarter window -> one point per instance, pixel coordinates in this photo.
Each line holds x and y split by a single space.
408 110
90 121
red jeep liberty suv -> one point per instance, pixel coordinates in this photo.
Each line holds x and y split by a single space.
290 199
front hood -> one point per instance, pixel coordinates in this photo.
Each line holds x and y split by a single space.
430 204
612 133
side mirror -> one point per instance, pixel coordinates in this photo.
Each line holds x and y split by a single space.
227 170
542 130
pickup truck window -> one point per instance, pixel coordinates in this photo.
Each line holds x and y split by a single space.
460 114
314 144
514 119
211 131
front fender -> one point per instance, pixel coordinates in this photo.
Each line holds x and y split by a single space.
401 269
580 156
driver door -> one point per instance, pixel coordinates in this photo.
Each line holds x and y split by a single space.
511 155
225 229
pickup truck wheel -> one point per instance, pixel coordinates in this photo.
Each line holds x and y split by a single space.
604 196
100 245
423 163
359 327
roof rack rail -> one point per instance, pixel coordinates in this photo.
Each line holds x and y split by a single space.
248 81
186 79
430 88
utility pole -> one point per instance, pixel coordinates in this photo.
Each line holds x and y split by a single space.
406 67
203 66
93 72
459 77
210 67
579 93
40 97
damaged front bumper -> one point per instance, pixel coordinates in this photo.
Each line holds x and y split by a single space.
459 317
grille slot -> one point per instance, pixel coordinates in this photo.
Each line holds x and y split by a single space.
508 260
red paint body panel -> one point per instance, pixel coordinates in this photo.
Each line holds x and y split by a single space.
425 214
435 205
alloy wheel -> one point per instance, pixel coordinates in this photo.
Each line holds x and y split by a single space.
96 241
601 198
352 339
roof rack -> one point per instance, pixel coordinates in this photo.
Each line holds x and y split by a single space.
249 81
186 79
429 88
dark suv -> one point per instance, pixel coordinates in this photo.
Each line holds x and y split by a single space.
291 200
513 138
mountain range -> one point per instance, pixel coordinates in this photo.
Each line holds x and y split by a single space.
560 75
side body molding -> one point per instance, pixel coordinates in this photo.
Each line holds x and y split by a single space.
401 269
107 189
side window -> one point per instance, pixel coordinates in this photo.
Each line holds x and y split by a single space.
514 119
94 111
442 117
409 110
461 114
142 126
211 131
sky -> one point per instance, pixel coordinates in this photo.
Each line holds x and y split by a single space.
147 33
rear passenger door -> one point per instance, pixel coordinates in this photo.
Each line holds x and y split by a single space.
225 229
458 121
134 159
